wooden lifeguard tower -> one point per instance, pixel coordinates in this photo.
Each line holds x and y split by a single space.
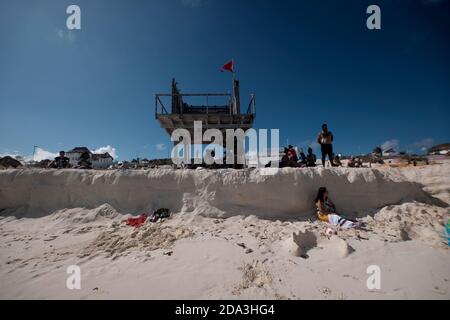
226 115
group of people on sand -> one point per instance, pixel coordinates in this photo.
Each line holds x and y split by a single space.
325 139
291 159
354 162
326 210
62 162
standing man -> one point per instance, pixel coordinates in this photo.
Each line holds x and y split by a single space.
325 139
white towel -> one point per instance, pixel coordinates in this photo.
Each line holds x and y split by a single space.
337 220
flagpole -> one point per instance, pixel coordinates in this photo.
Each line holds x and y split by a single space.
234 72
230 67
233 78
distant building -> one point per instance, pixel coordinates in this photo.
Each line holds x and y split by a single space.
101 161
9 162
440 149
75 153
389 152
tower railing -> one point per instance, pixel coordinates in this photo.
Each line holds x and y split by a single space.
206 108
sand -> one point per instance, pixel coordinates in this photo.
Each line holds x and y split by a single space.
232 234
222 193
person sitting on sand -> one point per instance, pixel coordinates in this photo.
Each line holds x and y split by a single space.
284 162
61 162
351 162
84 162
337 160
354 162
326 211
310 158
292 154
302 159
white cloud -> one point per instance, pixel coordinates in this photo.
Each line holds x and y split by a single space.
42 154
111 150
160 147
390 144
13 154
39 155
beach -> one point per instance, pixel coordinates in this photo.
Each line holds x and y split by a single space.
232 234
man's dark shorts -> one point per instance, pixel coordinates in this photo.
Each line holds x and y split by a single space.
326 149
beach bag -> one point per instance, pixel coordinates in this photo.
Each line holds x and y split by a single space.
161 213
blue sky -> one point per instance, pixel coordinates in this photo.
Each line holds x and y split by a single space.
308 62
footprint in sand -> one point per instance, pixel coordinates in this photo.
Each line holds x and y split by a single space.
438 290
13 261
68 230
325 291
51 238
350 276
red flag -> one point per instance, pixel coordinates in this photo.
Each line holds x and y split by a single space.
229 66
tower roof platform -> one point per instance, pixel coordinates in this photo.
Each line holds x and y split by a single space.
226 115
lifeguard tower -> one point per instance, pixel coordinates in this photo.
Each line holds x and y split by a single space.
225 116
222 116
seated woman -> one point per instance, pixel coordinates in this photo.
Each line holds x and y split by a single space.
284 162
311 158
302 159
326 211
351 162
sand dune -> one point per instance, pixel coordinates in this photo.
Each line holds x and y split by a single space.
435 178
222 193
50 220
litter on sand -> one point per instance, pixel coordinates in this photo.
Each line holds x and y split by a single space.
161 213
155 217
136 222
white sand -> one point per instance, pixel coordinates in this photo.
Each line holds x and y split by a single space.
434 177
53 219
222 193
